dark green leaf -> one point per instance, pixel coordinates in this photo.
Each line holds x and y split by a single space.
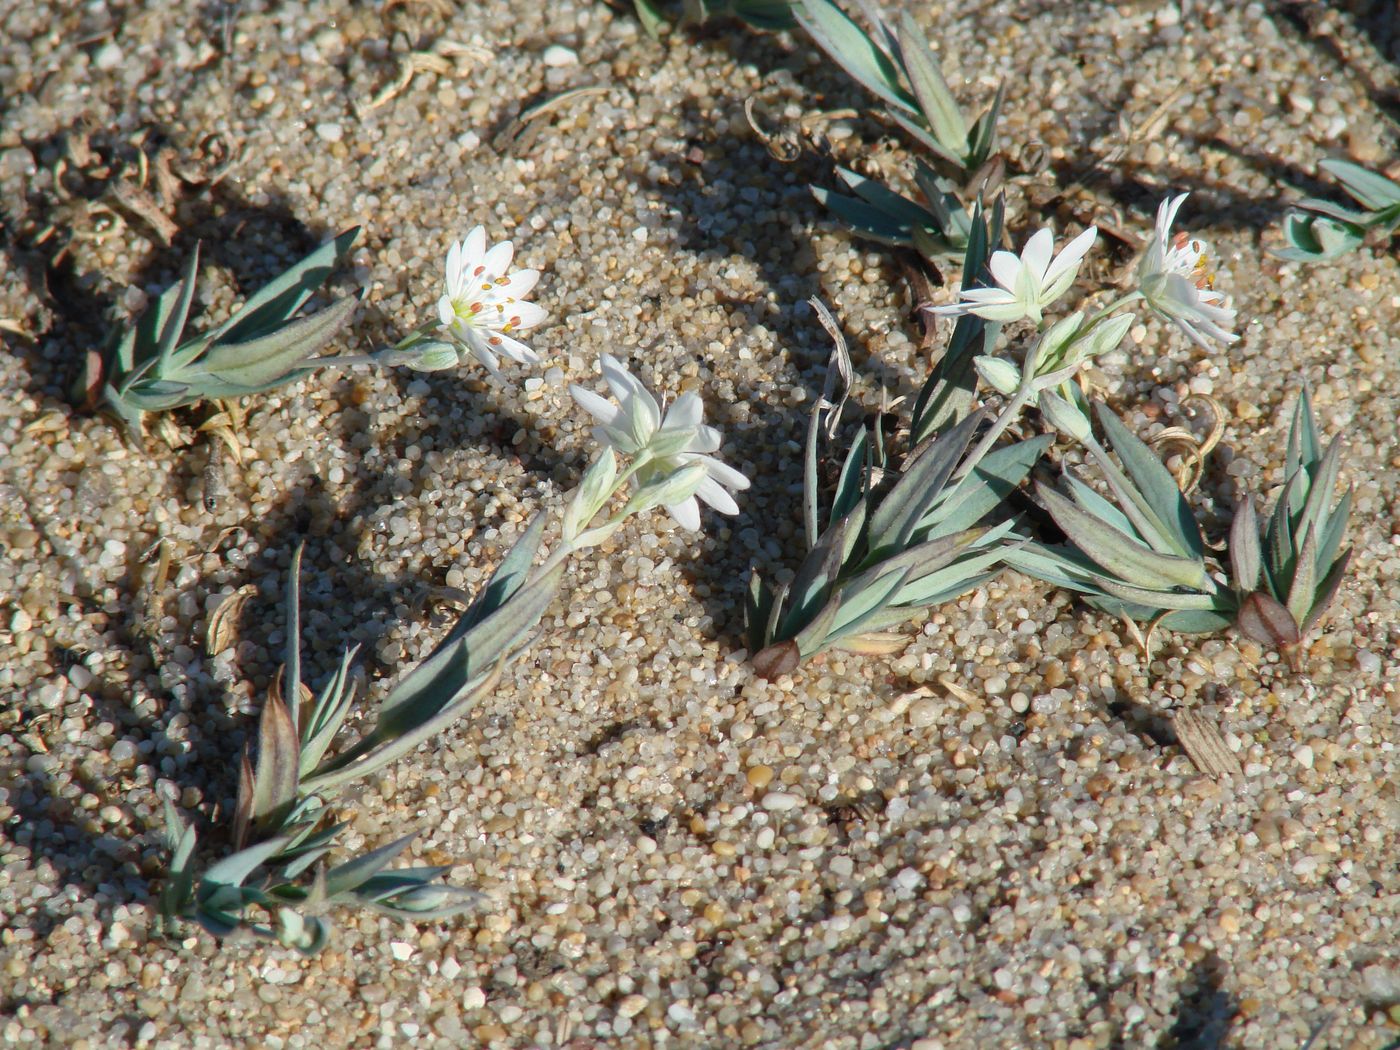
865 219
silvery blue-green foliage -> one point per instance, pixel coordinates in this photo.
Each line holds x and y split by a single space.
901 69
892 542
1140 554
150 367
280 833
936 228
1287 575
1318 230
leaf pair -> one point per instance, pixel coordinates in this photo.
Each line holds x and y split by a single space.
887 551
279 826
1288 575
1139 554
902 70
937 228
1318 230
151 368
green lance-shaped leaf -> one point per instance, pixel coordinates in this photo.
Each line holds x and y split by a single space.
916 130
417 714
180 838
328 714
231 369
1326 591
968 571
901 209
860 606
1320 492
923 478
1161 498
936 102
175 323
1122 555
758 604
841 38
866 219
853 484
232 870
1370 189
1246 558
509 577
1334 530
278 300
349 876
1303 586
983 138
1304 446
809 589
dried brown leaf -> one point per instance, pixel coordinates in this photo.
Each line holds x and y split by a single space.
1203 744
223 621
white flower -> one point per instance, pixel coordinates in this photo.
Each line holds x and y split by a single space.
1175 280
667 445
484 304
1028 283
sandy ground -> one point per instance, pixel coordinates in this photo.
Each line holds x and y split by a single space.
989 839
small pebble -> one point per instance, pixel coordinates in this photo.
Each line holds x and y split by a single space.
760 776
557 55
781 801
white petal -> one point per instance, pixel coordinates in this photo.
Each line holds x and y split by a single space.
600 408
513 348
725 474
447 311
528 315
706 439
686 513
1166 215
1005 267
622 382
497 261
1035 256
482 352
473 247
454 270
714 494
988 296
519 284
1066 264
686 411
